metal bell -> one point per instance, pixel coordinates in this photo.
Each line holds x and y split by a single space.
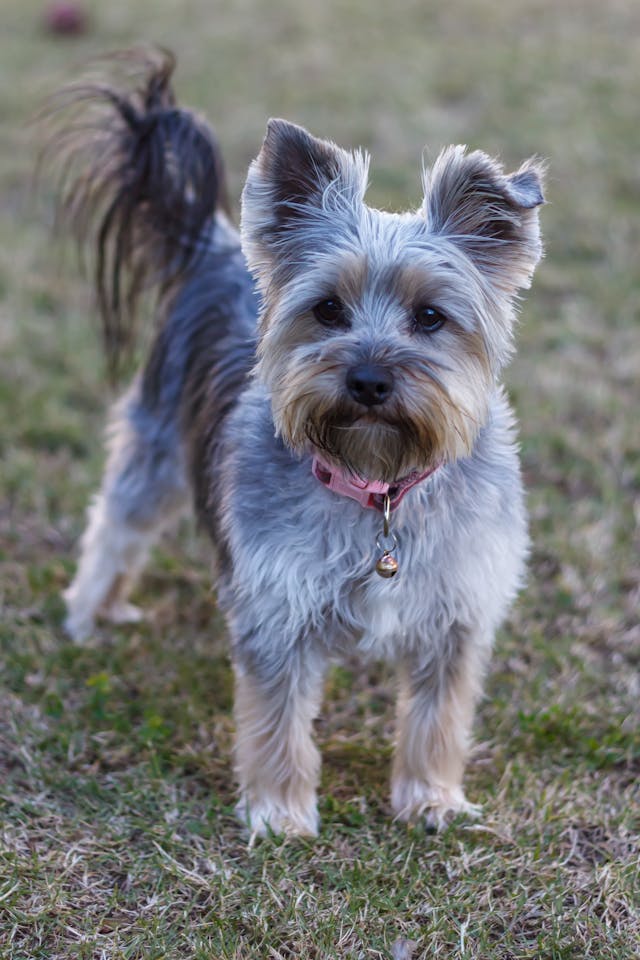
387 566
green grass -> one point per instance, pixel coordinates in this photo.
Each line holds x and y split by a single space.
116 789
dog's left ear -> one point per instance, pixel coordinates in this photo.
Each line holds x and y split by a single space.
295 180
491 216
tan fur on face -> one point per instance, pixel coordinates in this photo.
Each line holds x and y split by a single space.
352 278
441 380
433 416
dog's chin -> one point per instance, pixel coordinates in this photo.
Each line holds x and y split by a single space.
373 448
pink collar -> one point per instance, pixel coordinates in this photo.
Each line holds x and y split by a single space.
367 493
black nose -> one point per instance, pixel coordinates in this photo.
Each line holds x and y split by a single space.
370 384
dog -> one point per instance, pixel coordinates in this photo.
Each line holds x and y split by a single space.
324 386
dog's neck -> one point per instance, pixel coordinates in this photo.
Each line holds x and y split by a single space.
368 493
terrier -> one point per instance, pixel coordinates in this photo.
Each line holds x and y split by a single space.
325 387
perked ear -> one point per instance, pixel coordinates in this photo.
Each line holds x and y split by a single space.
491 216
294 178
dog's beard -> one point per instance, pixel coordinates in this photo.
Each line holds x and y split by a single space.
426 421
379 444
371 447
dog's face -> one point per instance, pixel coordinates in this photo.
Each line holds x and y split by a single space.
381 334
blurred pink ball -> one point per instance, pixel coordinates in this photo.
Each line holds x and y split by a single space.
65 17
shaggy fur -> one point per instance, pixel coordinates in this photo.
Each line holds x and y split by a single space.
376 339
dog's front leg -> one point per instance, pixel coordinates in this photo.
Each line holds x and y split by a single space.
277 762
434 717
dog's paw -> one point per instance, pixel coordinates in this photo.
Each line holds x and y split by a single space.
413 800
270 816
78 629
78 625
122 612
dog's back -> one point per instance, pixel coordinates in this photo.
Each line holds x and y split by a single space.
201 356
143 190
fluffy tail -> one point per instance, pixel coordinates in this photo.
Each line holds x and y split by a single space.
140 180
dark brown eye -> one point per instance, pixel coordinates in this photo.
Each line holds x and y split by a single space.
428 319
330 312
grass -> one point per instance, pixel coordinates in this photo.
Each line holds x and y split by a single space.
117 834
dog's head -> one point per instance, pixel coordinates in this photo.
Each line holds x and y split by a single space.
382 334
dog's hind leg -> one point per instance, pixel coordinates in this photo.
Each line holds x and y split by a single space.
143 489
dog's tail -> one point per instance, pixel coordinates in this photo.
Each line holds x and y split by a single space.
140 181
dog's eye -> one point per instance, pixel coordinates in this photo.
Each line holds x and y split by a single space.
428 319
330 312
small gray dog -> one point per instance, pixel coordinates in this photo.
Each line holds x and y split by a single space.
326 386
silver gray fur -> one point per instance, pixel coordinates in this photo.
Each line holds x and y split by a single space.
295 562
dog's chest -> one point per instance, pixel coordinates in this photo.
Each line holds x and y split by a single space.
356 606
301 560
379 611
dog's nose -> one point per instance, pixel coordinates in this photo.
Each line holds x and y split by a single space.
370 384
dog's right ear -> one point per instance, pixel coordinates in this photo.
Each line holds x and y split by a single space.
491 216
297 183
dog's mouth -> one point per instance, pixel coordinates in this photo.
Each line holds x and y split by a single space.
371 446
